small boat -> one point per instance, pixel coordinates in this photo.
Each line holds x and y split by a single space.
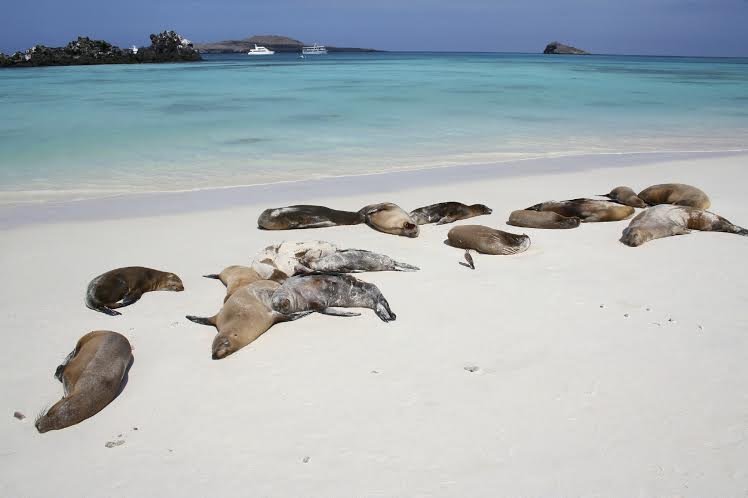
260 50
134 49
314 50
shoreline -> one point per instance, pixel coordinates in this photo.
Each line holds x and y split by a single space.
274 194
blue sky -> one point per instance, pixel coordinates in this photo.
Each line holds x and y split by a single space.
668 27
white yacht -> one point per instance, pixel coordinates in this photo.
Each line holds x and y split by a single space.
134 49
260 50
315 49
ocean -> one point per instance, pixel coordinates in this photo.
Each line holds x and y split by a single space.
95 131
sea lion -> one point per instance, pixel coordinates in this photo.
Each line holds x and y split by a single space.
235 277
244 317
625 196
390 218
351 261
666 220
278 261
124 286
91 377
588 210
541 219
487 240
304 216
675 193
322 292
447 212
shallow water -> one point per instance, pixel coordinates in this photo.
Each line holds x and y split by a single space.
80 132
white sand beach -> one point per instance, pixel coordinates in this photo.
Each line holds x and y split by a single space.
602 370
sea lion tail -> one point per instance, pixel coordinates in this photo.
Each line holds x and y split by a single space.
213 275
742 231
207 320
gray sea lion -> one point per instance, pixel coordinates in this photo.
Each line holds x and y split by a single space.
244 317
91 377
588 210
541 219
675 193
322 292
390 218
351 261
447 212
279 260
305 216
124 286
625 196
666 220
487 240
235 277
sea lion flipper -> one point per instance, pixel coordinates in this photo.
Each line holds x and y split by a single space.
215 276
384 312
446 219
210 320
129 299
399 266
334 312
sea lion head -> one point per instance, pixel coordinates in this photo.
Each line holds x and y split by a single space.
282 302
223 345
409 229
481 209
627 196
53 418
172 282
634 237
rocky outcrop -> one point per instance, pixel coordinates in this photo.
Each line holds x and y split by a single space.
560 48
165 47
272 42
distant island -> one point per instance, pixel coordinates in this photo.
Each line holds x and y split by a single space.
272 42
168 46
561 49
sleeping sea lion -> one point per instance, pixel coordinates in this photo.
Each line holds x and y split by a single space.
541 219
675 193
666 220
303 216
244 317
91 377
322 292
351 261
235 277
487 240
588 210
625 196
124 286
390 218
447 212
278 261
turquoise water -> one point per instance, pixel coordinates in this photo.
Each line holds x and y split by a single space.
78 132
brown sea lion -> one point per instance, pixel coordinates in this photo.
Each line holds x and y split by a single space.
625 196
235 277
675 193
91 377
321 293
124 286
487 240
304 216
244 317
588 210
390 218
666 220
447 212
541 219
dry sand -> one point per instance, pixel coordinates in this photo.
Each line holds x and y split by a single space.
602 370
